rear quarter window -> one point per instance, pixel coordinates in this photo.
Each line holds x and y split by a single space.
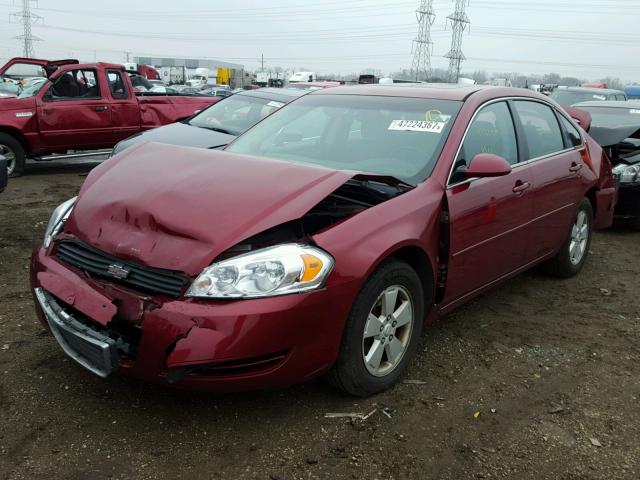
575 140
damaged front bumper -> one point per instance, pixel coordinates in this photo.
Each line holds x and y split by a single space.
208 345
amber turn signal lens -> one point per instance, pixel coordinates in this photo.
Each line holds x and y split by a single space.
312 267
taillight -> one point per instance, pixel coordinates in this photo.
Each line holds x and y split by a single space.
586 158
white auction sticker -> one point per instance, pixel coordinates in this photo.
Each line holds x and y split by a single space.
634 112
417 126
275 104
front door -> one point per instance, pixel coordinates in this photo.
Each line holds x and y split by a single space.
74 114
489 217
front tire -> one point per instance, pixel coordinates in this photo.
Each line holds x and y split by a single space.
575 250
12 150
382 332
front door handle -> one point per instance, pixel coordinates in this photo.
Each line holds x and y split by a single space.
101 108
575 167
521 186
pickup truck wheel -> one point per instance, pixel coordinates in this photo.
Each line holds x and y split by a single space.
12 150
382 332
575 250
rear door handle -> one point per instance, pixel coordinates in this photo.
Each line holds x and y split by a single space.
575 167
101 108
521 186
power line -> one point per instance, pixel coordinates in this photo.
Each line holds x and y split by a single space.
27 18
459 23
422 45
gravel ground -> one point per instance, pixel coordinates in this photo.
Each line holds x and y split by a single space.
537 379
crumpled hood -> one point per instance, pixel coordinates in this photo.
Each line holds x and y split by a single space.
178 208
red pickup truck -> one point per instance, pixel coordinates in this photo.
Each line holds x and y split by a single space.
68 106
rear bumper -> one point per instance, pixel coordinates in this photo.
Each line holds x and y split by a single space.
217 346
605 203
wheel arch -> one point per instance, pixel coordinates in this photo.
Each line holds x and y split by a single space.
418 259
17 134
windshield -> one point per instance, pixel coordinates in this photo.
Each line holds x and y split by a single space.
9 88
32 89
235 114
395 136
567 97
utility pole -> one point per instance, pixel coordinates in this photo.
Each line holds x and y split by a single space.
422 45
459 23
262 63
27 18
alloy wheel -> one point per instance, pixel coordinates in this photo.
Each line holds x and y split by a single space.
579 238
10 155
388 330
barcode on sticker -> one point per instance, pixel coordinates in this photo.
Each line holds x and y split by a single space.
417 126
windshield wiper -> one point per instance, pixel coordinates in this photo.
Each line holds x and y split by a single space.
216 129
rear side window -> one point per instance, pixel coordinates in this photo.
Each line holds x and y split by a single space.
541 128
575 140
492 131
117 86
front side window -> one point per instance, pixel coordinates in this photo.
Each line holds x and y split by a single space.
394 136
491 131
541 128
76 85
117 86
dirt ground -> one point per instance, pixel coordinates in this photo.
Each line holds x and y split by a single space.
552 367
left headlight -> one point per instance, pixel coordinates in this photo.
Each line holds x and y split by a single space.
56 222
279 270
627 173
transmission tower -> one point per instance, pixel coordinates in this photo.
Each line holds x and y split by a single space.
422 45
459 23
27 18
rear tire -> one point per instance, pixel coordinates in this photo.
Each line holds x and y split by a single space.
12 149
382 332
575 250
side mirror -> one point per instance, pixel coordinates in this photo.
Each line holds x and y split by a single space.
487 165
3 173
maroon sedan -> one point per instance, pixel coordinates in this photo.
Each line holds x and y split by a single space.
322 240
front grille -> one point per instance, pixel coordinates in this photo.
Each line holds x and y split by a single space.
90 259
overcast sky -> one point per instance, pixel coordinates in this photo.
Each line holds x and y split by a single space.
590 39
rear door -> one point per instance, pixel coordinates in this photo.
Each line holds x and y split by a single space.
74 113
125 111
552 147
490 217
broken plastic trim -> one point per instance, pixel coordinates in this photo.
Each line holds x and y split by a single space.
227 368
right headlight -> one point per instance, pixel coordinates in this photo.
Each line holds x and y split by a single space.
57 220
627 173
279 270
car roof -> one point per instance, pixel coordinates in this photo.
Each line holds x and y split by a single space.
284 94
441 91
610 104
589 90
